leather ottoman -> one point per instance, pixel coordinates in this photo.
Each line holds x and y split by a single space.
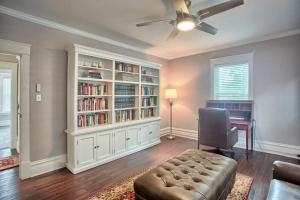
194 174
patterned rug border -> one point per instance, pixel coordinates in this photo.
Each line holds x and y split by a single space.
9 166
127 178
250 186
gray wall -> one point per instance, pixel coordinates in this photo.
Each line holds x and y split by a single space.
49 67
276 87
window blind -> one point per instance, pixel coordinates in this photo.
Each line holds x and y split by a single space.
231 81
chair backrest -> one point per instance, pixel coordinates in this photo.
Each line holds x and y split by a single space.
213 125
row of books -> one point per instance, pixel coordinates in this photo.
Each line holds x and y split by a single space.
124 115
95 119
91 89
124 102
126 77
147 113
147 90
147 79
149 101
125 89
124 67
90 104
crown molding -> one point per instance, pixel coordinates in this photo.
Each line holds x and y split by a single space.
68 29
237 44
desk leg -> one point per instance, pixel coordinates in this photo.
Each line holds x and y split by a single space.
252 139
247 130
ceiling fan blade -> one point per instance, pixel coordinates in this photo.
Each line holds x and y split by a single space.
213 10
181 6
154 22
206 28
173 34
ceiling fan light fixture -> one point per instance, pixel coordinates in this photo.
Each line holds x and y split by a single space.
186 24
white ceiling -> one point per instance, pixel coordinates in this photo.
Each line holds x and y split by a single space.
116 19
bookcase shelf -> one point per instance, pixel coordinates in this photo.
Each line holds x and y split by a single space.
94 68
93 79
93 111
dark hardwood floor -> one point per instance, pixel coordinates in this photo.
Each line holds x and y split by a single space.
62 184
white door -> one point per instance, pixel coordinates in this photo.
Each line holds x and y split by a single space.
86 149
8 105
103 145
132 138
155 132
120 141
145 135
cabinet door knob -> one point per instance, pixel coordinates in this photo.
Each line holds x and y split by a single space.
95 147
98 146
150 133
127 138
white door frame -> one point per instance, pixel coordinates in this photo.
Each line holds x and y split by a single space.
22 50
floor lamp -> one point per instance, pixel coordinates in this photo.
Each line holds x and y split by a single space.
171 94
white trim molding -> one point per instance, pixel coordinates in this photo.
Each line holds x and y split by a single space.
68 29
237 44
23 51
259 145
47 165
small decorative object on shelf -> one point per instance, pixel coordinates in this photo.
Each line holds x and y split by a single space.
95 74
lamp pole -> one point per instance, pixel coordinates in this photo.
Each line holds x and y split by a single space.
171 136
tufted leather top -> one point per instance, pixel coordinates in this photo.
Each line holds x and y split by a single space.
194 174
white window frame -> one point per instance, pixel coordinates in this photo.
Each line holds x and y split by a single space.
231 60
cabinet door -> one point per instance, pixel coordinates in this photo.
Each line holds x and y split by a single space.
120 141
132 138
145 135
86 149
103 145
155 132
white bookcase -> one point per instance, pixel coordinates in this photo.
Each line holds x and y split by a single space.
113 106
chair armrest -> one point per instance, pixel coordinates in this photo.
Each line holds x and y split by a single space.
286 172
233 129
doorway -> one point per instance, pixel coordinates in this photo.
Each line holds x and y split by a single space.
9 136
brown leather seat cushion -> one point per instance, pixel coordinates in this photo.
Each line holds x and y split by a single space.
283 190
193 174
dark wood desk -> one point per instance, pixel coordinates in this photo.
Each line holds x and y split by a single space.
248 128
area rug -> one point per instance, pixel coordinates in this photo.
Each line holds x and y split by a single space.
9 162
124 189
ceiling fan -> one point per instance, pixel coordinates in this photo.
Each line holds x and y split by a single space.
185 21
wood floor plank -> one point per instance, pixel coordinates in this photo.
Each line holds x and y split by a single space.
62 184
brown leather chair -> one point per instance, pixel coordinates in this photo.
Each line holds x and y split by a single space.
286 181
214 130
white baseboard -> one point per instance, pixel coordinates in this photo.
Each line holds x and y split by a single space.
47 165
259 145
185 133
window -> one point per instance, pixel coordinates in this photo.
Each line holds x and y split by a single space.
5 89
232 77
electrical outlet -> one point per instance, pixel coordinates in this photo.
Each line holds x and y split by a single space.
38 97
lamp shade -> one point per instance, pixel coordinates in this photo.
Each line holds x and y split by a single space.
170 94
